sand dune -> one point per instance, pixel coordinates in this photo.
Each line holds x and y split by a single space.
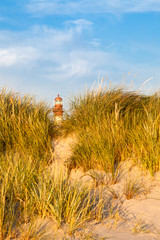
135 218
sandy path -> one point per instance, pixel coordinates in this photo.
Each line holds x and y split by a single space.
142 213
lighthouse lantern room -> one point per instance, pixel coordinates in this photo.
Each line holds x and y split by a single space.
58 110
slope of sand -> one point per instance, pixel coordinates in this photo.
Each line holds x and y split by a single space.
135 218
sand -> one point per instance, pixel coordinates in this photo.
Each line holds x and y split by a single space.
136 218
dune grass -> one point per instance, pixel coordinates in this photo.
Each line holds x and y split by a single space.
26 131
27 190
25 125
113 125
28 193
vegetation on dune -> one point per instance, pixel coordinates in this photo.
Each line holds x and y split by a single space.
28 192
113 125
25 125
27 189
26 131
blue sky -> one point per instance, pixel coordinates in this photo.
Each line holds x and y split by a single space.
60 46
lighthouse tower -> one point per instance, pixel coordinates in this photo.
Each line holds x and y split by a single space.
58 110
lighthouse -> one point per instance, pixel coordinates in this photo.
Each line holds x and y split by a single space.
58 110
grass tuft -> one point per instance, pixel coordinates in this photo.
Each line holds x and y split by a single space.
132 188
25 125
113 125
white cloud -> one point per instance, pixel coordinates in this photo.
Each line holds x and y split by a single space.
7 57
43 57
45 7
79 25
16 55
46 61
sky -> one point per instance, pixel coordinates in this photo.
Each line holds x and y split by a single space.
50 47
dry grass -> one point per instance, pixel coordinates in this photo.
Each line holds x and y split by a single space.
28 192
132 188
113 125
25 125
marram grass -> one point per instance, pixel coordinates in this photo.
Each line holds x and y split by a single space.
25 125
113 125
26 131
28 193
